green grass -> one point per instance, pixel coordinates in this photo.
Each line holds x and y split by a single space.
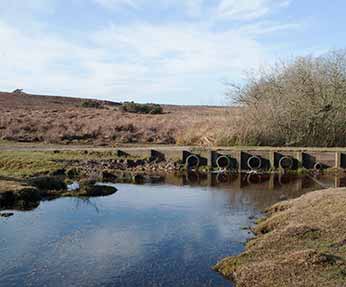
29 163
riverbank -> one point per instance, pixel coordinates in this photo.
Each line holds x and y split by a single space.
27 177
55 169
301 242
26 194
77 163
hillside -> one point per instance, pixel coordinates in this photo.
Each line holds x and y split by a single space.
64 120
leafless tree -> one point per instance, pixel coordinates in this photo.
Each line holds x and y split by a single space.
302 102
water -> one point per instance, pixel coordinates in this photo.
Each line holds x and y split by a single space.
168 234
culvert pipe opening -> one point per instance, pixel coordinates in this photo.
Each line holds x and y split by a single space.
286 162
254 162
318 166
223 162
192 161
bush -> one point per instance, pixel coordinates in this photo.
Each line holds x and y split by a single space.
132 107
91 104
300 103
18 91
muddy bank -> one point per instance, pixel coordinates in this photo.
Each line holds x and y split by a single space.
26 194
301 242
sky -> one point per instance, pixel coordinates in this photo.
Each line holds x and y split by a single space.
163 51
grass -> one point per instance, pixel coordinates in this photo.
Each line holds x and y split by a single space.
301 242
11 186
29 163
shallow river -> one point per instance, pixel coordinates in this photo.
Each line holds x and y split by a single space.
167 234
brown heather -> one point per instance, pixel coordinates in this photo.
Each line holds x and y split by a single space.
31 118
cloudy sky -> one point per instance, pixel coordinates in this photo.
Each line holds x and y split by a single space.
165 51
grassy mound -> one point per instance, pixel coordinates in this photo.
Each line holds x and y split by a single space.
302 242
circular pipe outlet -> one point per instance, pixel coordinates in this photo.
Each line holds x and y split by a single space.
254 162
223 162
192 161
286 162
318 166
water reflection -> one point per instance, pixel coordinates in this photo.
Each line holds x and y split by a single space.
144 235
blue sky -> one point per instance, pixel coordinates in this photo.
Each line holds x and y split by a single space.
164 51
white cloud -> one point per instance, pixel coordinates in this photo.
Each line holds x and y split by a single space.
109 4
133 61
249 9
191 8
128 62
19 7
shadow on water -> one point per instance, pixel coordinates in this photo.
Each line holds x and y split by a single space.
167 233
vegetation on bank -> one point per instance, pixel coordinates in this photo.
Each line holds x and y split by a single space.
31 163
297 103
91 104
301 242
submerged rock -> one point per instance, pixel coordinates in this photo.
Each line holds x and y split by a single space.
90 188
6 214
100 190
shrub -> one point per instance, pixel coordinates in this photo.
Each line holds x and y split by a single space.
132 107
299 103
91 104
18 91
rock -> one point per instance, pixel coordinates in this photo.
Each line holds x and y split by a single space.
6 214
156 179
28 194
108 177
6 198
140 162
130 163
58 172
48 183
101 190
138 179
90 188
17 195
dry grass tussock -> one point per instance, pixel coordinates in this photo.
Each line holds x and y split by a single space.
30 118
302 242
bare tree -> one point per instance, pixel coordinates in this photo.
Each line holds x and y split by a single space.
302 102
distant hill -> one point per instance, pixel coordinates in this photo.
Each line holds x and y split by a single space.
35 101
53 119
